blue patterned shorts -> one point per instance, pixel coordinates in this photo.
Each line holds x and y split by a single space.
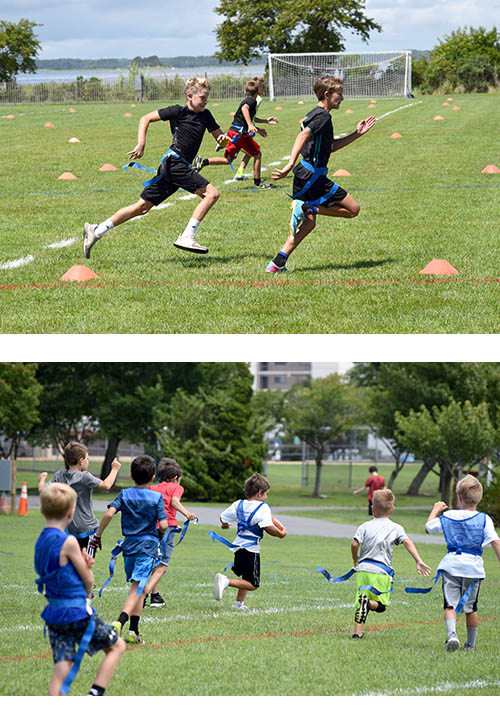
65 638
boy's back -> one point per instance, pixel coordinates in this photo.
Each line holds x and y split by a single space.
141 508
169 489
377 538
83 484
261 518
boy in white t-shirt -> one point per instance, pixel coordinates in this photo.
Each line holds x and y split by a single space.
253 517
374 573
466 533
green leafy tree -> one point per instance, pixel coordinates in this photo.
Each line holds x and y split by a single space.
19 400
251 27
319 412
18 48
459 435
214 435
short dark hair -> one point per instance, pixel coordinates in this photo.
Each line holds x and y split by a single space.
168 469
251 87
256 483
73 452
373 469
142 469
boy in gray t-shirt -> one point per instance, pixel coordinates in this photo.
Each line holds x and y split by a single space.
374 573
76 475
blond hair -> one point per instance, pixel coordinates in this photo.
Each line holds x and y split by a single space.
470 490
196 84
56 500
327 83
383 501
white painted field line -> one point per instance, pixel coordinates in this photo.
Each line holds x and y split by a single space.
63 243
17 262
444 687
379 118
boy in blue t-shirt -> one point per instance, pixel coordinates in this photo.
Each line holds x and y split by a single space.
141 510
318 194
65 571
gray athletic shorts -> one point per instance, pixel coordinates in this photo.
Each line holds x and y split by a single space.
455 587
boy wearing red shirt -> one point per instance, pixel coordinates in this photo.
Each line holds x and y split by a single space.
374 482
170 474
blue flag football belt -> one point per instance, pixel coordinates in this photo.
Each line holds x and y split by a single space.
182 531
154 560
367 587
316 173
425 590
154 180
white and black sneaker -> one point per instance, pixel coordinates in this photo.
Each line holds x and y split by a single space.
362 610
221 582
157 601
452 642
198 163
190 244
89 238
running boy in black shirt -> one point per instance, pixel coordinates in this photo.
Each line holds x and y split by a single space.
188 124
313 193
240 135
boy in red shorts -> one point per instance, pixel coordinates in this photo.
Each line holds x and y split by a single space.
241 134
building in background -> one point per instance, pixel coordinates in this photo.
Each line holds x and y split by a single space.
283 375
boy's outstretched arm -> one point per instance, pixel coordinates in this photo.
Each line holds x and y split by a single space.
496 546
41 480
438 508
105 521
148 118
362 128
422 568
111 477
177 505
300 142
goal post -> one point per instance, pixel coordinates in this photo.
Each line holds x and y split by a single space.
365 75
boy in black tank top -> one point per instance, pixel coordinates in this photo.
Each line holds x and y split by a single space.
313 192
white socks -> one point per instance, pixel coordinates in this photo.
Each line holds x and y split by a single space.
191 228
103 228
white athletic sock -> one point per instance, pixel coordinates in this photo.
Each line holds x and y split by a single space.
191 228
103 227
451 626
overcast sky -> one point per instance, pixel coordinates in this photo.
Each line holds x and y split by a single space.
126 28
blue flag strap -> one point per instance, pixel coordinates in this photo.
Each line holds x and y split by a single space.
157 177
329 577
184 529
219 538
426 590
83 646
114 554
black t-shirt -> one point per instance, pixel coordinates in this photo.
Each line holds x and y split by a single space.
318 148
239 119
188 128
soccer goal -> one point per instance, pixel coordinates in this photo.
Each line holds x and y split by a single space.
365 75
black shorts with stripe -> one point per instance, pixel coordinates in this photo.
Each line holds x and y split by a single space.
320 187
174 173
247 566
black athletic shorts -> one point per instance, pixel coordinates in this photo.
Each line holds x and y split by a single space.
175 173
247 566
321 187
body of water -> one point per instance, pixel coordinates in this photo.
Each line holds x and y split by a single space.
70 75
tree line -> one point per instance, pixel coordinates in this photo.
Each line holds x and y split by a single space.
207 416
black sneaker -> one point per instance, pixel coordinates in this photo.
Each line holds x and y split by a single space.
157 600
362 610
357 636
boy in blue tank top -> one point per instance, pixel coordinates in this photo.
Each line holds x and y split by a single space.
466 532
253 518
141 509
65 575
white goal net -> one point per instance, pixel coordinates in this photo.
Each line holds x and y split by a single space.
365 75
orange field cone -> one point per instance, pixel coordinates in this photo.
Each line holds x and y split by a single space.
279 108
348 110
132 105
490 169
440 267
438 118
23 500
10 116
73 140
128 115
67 176
396 135
5 506
78 272
72 110
215 105
48 125
341 171
107 167
445 104
372 106
456 108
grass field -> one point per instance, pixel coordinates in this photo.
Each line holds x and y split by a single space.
295 639
422 197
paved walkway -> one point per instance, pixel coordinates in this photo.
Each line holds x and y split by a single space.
295 525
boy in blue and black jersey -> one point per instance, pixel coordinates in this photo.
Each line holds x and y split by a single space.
143 519
66 578
253 518
313 192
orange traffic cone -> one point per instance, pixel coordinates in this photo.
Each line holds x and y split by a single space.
5 506
23 500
